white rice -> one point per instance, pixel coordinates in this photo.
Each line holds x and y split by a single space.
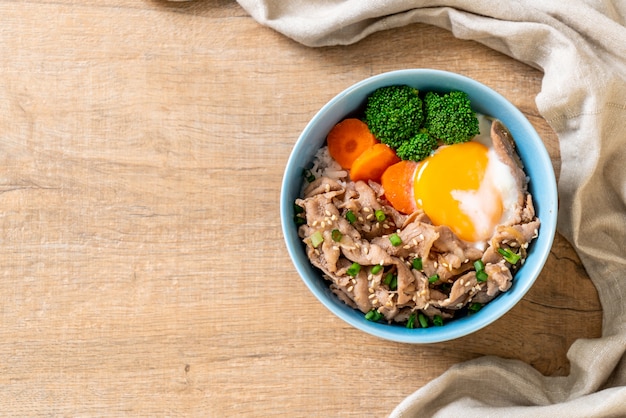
324 165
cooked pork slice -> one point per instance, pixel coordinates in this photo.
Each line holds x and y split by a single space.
363 201
343 295
517 237
527 213
499 278
457 251
366 254
356 286
323 185
504 146
462 290
408 283
417 240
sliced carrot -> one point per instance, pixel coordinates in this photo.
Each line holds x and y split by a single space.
373 162
348 139
397 182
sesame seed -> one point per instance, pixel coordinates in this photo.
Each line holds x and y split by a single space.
314 224
367 210
421 237
361 219
466 261
525 245
427 305
377 225
371 290
366 250
370 217
435 264
350 288
444 264
374 301
513 244
322 224
327 188
406 247
459 305
414 241
467 284
461 281
372 296
357 245
333 218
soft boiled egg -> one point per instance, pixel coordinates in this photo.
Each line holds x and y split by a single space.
466 187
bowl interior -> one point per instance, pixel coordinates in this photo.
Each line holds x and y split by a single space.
537 165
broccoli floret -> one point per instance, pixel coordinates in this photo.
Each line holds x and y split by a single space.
417 147
394 114
449 117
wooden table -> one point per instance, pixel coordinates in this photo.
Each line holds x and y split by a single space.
144 271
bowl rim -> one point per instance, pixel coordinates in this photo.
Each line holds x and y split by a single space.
539 249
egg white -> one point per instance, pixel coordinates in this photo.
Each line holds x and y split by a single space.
498 179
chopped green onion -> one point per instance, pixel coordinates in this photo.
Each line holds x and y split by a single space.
417 263
336 235
475 307
354 269
380 215
308 175
479 265
391 280
395 239
350 216
376 269
298 210
410 323
509 256
373 315
423 320
433 278
481 276
316 239
437 321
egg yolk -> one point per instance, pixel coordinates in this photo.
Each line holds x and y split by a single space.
452 189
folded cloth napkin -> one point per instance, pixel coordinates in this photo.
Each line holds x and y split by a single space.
580 45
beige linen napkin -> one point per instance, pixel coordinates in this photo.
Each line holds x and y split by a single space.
581 47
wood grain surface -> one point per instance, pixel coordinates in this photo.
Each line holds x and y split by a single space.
144 273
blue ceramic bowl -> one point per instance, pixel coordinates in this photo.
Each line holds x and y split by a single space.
484 100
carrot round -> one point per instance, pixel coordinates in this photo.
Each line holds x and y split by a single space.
397 182
373 162
347 140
